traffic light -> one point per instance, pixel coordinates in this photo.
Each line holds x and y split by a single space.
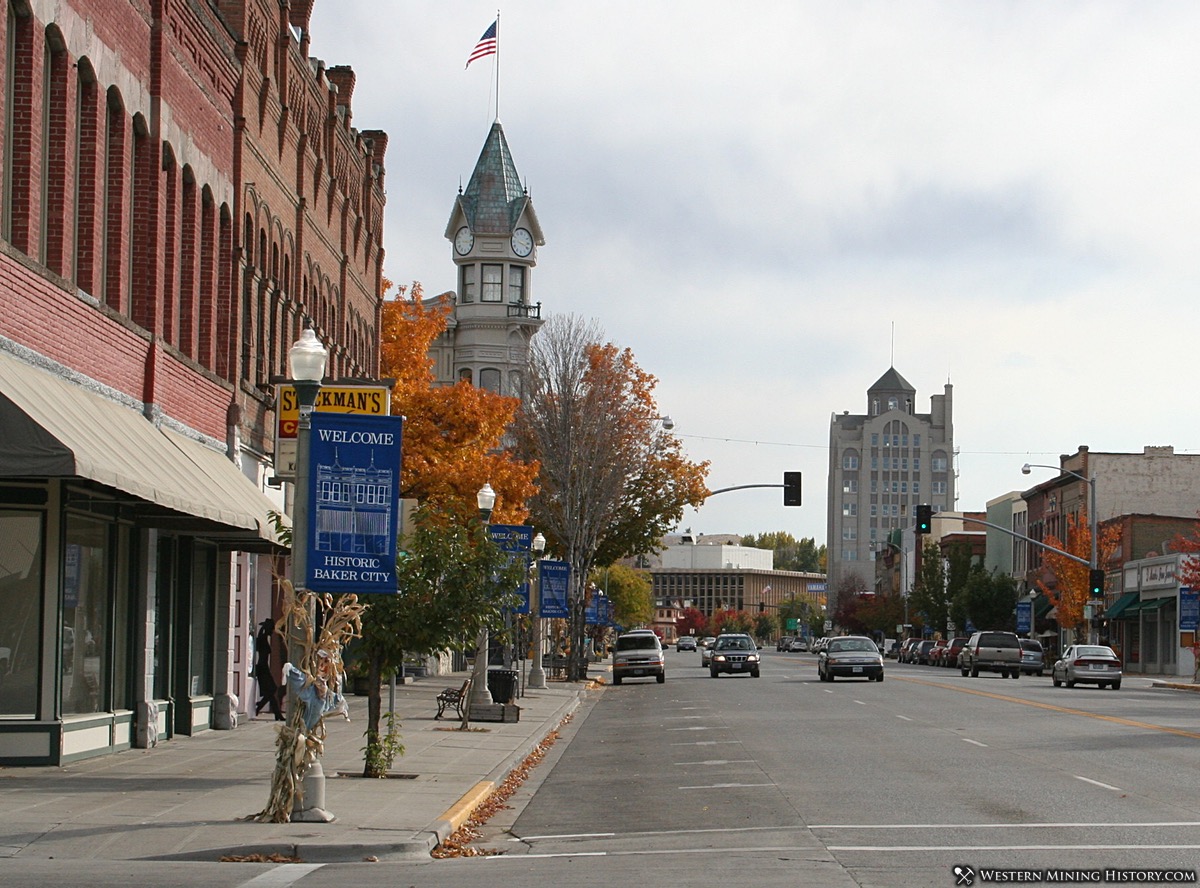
1095 583
762 607
791 488
924 519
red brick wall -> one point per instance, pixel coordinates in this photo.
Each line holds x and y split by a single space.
136 280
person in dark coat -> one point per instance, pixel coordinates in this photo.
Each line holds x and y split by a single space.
268 690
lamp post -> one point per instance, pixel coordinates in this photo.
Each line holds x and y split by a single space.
537 674
485 499
306 363
1092 517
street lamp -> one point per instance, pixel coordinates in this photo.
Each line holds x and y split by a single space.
537 674
1093 563
306 362
485 499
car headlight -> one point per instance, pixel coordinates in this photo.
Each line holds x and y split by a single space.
720 657
753 658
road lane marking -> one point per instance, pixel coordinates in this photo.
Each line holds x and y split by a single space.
1181 824
1115 719
875 849
716 762
905 717
706 743
976 742
282 876
730 786
1097 783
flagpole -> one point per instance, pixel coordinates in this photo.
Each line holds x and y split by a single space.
497 64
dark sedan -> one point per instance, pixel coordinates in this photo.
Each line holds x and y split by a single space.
850 656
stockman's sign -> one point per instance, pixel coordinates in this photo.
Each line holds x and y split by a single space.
362 400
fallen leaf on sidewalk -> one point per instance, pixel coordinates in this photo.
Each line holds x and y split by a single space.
260 858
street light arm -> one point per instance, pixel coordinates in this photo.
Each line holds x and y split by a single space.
1021 536
1092 517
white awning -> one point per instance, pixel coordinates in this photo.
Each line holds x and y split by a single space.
50 427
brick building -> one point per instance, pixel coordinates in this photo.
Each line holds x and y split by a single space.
182 190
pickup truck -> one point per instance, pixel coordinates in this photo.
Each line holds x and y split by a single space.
991 652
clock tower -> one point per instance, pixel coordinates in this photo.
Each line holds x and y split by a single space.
494 236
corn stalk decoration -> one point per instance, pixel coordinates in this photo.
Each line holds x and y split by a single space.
316 679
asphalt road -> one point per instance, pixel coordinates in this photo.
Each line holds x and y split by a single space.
784 780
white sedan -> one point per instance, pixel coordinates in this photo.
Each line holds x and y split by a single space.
1088 664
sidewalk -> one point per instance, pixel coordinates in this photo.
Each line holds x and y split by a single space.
184 799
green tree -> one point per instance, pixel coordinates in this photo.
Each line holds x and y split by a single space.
629 592
450 583
790 554
927 604
990 599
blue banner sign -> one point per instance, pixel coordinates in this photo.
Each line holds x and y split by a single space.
354 496
1189 609
1024 616
515 539
553 578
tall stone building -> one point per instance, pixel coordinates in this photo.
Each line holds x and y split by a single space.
882 463
495 234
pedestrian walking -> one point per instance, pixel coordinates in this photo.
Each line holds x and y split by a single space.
268 690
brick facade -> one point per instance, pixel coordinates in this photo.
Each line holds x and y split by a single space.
196 194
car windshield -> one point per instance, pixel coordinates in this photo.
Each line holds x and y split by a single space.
637 642
733 644
852 644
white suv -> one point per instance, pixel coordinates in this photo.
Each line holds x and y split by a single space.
638 654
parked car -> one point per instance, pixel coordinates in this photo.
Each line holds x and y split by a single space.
991 652
798 645
734 653
783 643
892 651
850 656
638 655
934 657
953 649
1088 664
920 653
818 644
685 643
1033 658
906 649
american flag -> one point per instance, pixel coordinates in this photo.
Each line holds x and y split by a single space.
486 45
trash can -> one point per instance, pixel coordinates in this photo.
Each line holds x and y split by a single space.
502 684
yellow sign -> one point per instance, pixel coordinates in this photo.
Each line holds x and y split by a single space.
371 400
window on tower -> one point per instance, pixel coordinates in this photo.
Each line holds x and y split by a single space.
516 285
493 284
467 286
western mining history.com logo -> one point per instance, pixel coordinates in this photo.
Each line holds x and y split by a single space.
968 875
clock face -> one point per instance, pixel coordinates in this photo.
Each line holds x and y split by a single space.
464 240
522 242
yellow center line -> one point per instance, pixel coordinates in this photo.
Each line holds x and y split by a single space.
1051 707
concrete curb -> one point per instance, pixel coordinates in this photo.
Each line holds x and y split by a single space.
460 812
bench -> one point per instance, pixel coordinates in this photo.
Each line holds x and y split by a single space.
456 697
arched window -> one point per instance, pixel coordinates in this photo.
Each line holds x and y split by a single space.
18 140
87 129
189 212
143 252
489 379
116 189
170 296
54 155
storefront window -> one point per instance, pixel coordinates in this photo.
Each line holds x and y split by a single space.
85 616
20 599
201 627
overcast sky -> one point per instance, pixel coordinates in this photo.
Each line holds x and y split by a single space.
754 196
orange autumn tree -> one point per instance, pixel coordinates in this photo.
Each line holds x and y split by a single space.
1069 592
453 436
